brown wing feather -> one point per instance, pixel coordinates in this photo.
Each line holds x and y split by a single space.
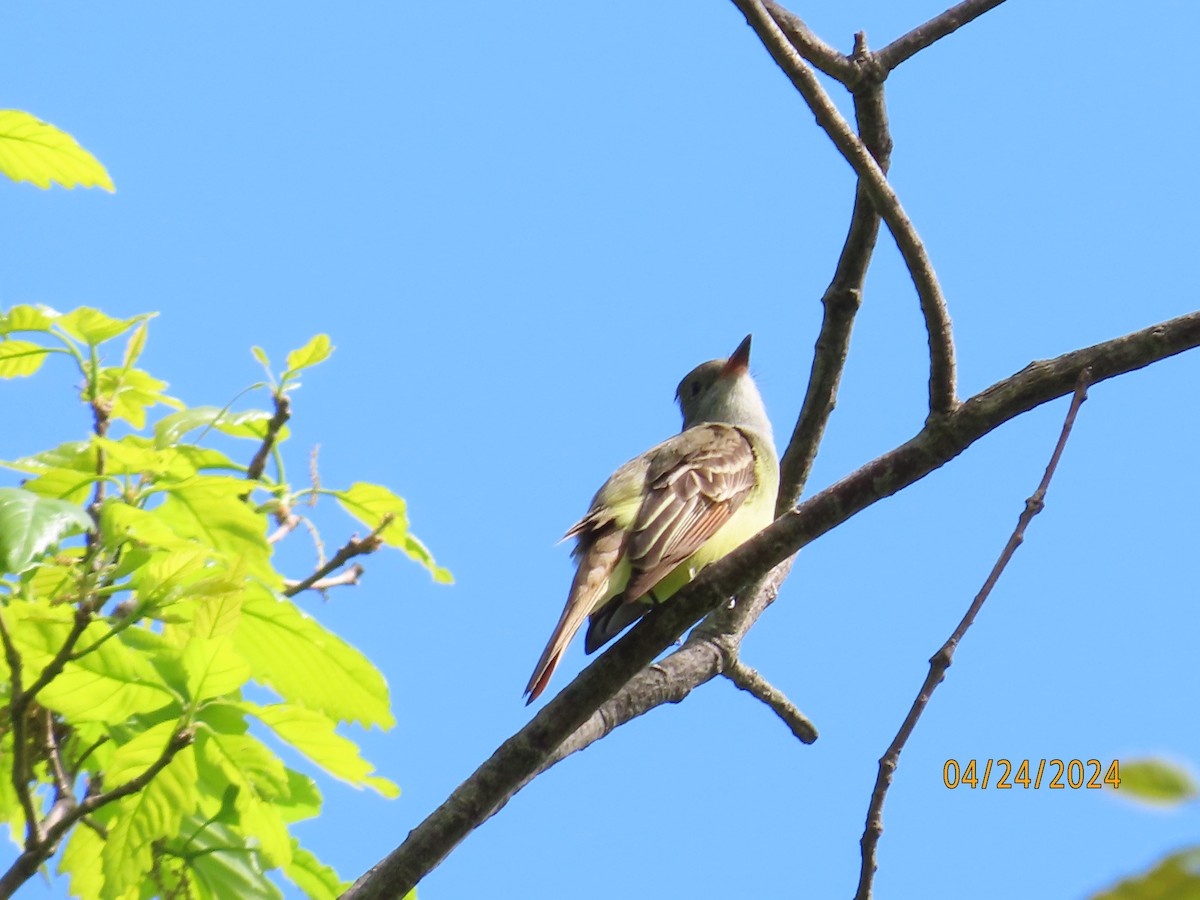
694 487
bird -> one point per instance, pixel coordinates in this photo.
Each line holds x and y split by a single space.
669 512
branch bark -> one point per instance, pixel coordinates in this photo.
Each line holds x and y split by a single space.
941 440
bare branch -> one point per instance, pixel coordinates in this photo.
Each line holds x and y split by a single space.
289 523
283 412
942 390
811 47
841 302
941 440
934 30
752 682
352 548
348 577
941 660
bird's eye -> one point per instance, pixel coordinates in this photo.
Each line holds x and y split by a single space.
695 388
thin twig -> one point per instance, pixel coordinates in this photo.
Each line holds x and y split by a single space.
943 395
527 751
352 548
940 661
283 412
288 524
62 782
752 682
934 30
348 577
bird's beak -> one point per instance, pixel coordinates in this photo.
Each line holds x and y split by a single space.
739 362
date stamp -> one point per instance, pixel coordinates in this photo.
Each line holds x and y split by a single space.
1056 774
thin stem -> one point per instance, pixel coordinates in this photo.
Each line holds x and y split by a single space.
941 660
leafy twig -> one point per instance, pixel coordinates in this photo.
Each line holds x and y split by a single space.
941 660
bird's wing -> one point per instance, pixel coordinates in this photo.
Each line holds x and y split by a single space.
696 482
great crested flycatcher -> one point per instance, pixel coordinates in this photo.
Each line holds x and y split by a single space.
666 514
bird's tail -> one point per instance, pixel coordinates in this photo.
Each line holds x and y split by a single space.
589 590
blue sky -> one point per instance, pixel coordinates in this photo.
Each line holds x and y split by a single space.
521 225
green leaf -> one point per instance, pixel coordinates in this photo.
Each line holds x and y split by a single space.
29 525
242 760
303 799
213 667
94 327
370 503
317 880
313 735
153 813
81 860
209 508
19 358
224 863
1156 781
25 318
315 351
261 355
251 423
1174 877
131 392
120 523
135 345
308 665
36 151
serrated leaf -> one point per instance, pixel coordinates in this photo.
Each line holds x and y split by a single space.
35 151
309 665
20 358
94 327
317 880
1156 781
302 800
242 760
30 525
224 863
251 423
315 351
313 734
1174 877
25 318
370 503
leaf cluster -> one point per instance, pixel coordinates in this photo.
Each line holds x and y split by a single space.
139 601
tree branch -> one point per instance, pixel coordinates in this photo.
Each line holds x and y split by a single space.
753 683
841 302
942 390
934 30
350 576
352 548
811 47
941 660
942 439
17 706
